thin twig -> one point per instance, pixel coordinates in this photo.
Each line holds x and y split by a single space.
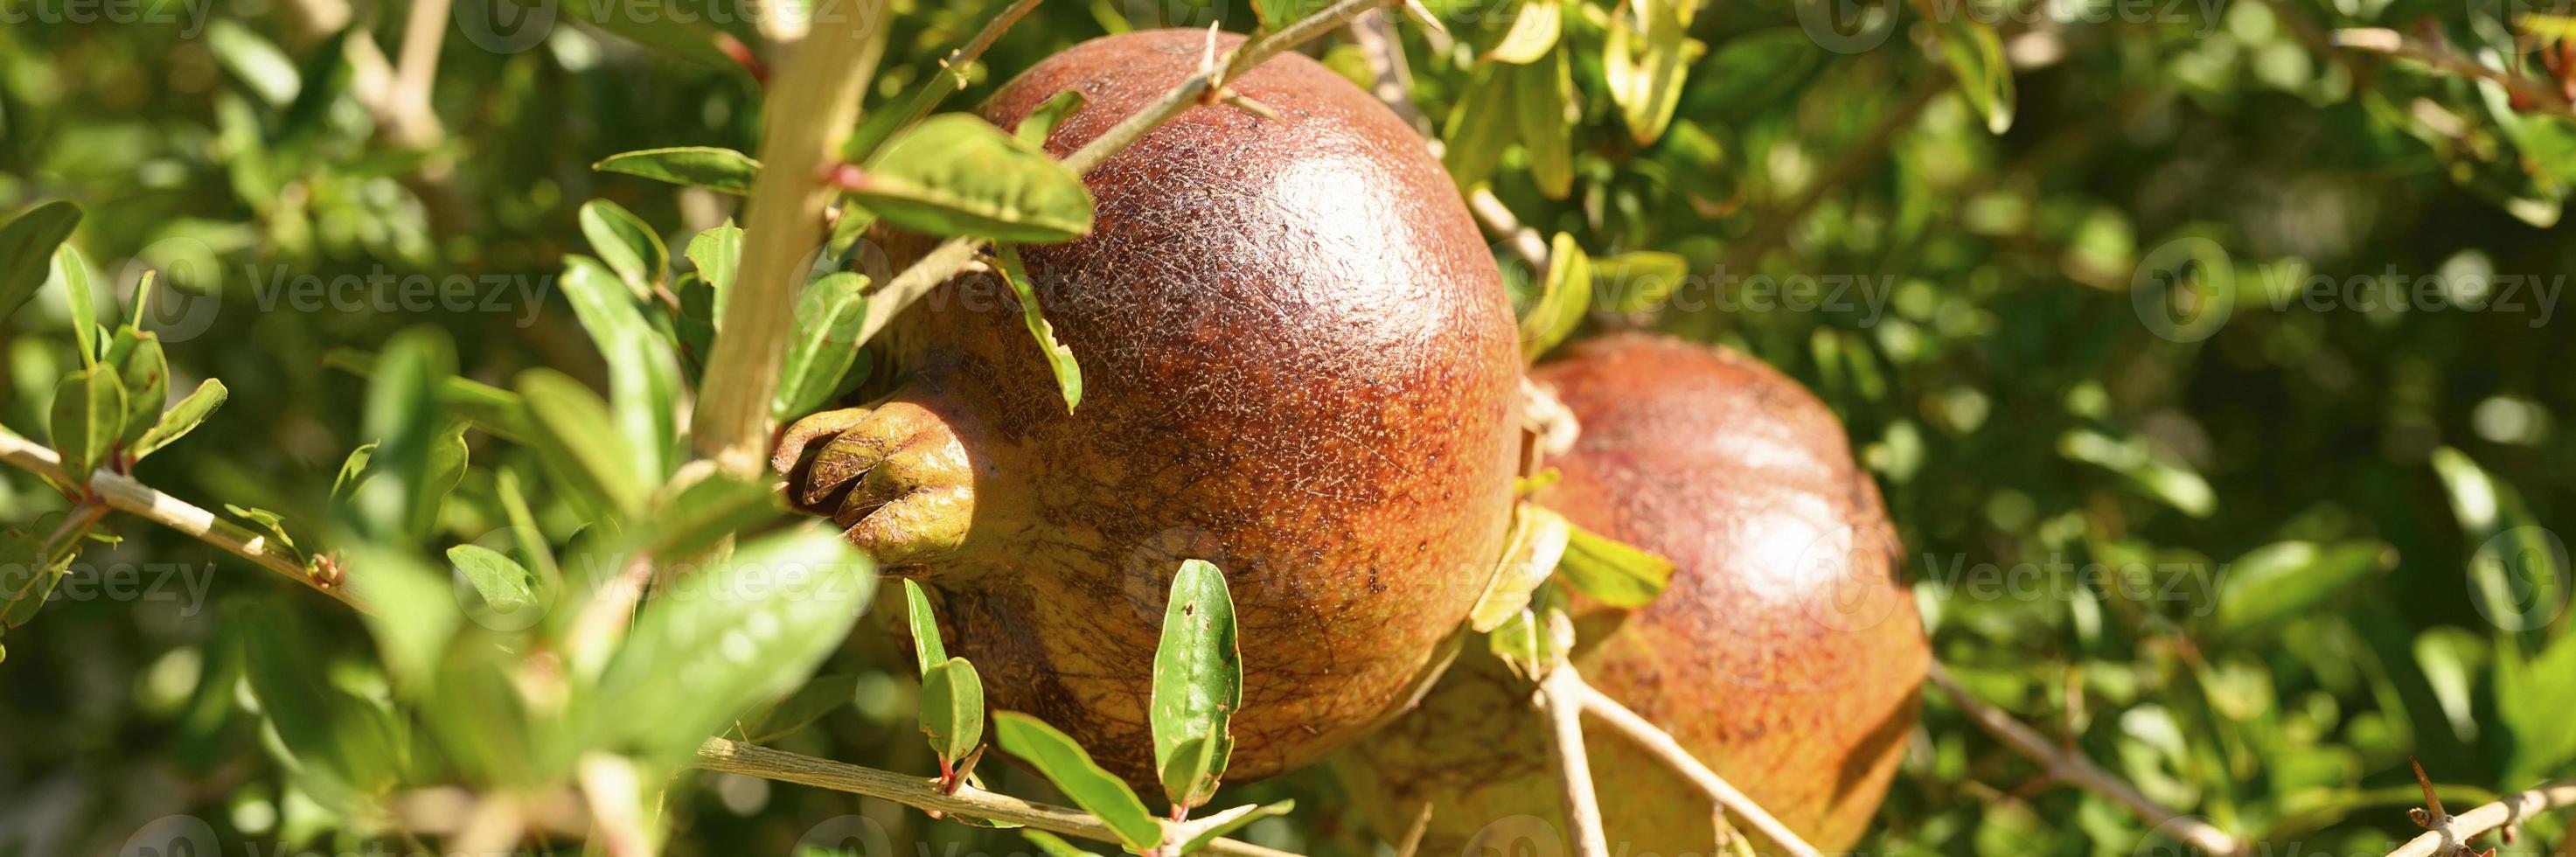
2080 772
954 254
1497 218
1655 740
423 32
1374 32
2452 837
753 760
1561 695
135 498
951 75
2387 42
812 105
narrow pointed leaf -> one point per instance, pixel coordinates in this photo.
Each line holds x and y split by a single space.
721 170
1064 763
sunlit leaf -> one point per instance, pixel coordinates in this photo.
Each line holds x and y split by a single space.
721 170
1064 763
955 174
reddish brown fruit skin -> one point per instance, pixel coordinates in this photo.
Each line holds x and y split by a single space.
1299 364
1786 654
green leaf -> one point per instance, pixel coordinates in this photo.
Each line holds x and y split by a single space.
2532 699
708 511
146 374
1187 777
489 408
1531 640
1611 571
1638 281
2449 659
2267 586
1644 63
419 454
1198 683
1533 34
1480 126
1541 93
927 649
1068 374
26 245
2174 484
627 245
579 441
84 305
643 374
952 708
1040 122
823 695
181 418
721 170
955 174
506 586
420 612
271 522
718 253
1231 820
89 408
1064 763
1532 549
1975 54
1565 294
826 343
1052 845
730 636
342 748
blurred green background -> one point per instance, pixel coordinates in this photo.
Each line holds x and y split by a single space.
2220 395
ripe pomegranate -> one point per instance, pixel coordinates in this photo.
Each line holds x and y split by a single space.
1785 654
1299 364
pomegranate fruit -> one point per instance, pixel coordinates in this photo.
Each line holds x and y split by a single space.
1785 654
1299 364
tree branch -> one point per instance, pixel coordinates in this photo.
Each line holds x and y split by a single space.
954 254
135 498
1561 695
2078 771
753 760
2451 835
812 105
1655 740
1375 34
2387 42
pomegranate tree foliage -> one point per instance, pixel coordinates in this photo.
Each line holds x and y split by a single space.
2207 355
